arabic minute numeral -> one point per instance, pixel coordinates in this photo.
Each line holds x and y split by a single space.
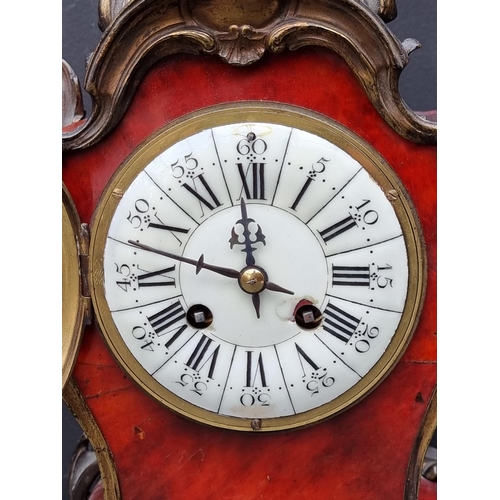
124 271
197 386
141 334
382 281
141 207
363 345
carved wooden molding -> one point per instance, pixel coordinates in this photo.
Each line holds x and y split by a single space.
386 9
240 31
109 10
72 103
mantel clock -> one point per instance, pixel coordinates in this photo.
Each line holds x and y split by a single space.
249 253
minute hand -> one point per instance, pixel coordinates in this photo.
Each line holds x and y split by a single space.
200 264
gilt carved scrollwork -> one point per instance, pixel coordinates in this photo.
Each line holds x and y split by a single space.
140 32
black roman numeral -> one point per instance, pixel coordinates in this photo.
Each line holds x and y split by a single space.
213 203
145 280
199 357
168 228
317 168
368 217
338 228
252 372
166 317
303 356
351 275
301 193
256 172
339 323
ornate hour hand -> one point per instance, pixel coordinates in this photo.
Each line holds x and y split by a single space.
251 280
259 235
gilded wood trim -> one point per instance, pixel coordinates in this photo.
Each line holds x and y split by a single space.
76 403
422 441
145 31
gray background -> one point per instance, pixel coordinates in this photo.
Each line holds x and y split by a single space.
418 83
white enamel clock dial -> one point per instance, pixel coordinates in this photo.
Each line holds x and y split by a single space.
256 267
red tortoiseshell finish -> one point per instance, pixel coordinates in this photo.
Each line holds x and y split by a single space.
361 454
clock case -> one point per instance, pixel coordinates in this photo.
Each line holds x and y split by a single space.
147 50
